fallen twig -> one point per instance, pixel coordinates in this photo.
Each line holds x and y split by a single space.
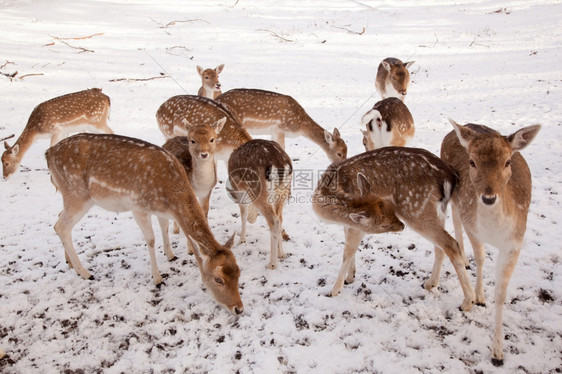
6 64
351 31
181 47
172 23
276 35
82 37
434 43
139 79
7 137
30 75
11 76
82 49
474 43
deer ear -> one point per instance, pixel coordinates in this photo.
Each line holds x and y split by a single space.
15 149
359 218
217 126
523 137
336 133
200 251
230 242
408 64
363 184
364 132
464 134
386 65
6 145
200 70
219 68
328 137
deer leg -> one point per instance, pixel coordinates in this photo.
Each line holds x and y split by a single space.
457 224
163 222
352 239
279 214
279 137
244 217
143 220
507 259
479 257
57 137
68 218
433 280
252 213
205 203
176 228
275 231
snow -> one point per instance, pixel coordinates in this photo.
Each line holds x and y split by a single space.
488 62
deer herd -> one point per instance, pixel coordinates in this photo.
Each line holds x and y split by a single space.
480 173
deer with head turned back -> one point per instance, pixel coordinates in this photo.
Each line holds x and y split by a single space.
88 170
270 113
259 173
415 186
210 85
196 152
393 78
491 202
56 118
389 123
178 113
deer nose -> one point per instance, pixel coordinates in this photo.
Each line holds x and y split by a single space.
204 155
238 310
218 85
403 92
489 200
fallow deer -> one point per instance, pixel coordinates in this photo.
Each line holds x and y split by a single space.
210 85
491 202
177 114
56 118
259 173
270 113
121 174
389 123
196 152
393 78
417 185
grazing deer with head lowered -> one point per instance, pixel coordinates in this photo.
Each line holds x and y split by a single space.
389 123
196 152
210 85
178 113
393 78
88 170
491 202
270 113
417 185
56 118
259 173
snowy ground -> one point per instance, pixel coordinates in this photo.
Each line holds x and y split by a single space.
489 62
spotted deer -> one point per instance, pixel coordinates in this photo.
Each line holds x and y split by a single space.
178 113
260 174
210 85
56 118
389 123
416 184
393 78
270 113
196 152
88 170
491 202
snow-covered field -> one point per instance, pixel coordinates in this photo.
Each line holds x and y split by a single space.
489 62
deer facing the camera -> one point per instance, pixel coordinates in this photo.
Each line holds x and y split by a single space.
393 78
210 84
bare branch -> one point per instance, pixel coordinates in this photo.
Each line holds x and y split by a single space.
81 49
139 79
7 137
434 43
276 35
82 37
30 75
5 64
351 31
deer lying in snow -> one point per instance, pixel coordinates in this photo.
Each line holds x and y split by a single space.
416 186
393 78
120 174
176 115
389 123
210 85
56 118
270 113
259 173
196 152
491 202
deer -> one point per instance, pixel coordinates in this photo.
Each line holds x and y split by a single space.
260 174
196 152
56 118
491 203
270 113
176 115
210 85
389 123
393 78
417 185
88 170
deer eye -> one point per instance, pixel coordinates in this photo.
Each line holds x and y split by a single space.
192 141
507 163
212 140
206 77
340 155
219 280
472 163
